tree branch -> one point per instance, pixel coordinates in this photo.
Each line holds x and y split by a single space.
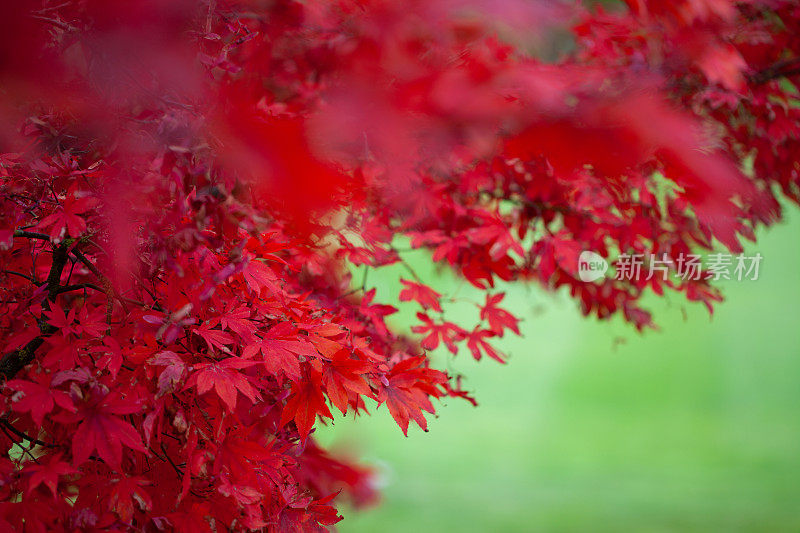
22 435
79 286
31 235
107 289
781 69
15 361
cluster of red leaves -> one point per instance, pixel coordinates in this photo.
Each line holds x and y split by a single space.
185 186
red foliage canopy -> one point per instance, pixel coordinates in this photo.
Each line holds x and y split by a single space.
184 185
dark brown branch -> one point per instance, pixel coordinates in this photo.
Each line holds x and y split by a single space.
15 361
85 260
781 69
107 289
171 462
60 256
31 235
25 449
20 274
22 435
79 286
122 299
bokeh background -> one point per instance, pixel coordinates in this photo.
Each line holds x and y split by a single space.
592 426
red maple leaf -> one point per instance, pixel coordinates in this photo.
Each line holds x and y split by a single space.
102 430
215 338
227 199
376 312
66 220
446 332
499 319
283 350
477 345
342 377
238 320
172 375
258 276
38 397
304 404
47 471
57 318
422 294
224 377
407 394
497 235
127 492
22 338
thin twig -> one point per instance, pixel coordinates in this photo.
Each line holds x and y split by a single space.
31 235
59 24
107 289
22 435
20 274
79 286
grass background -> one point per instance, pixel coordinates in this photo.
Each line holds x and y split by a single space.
594 427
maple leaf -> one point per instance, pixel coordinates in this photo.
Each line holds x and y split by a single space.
194 518
477 345
422 294
63 353
111 355
67 219
280 355
320 335
48 472
305 402
496 233
230 195
215 338
57 318
446 332
38 397
376 312
102 430
724 65
238 321
243 494
22 338
258 276
410 384
126 492
324 513
92 321
342 376
283 350
224 377
172 375
499 319
240 454
171 324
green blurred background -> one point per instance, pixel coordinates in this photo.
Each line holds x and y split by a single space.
594 427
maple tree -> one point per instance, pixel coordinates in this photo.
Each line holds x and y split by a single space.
187 185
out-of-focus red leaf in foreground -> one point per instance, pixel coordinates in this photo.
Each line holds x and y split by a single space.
186 189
